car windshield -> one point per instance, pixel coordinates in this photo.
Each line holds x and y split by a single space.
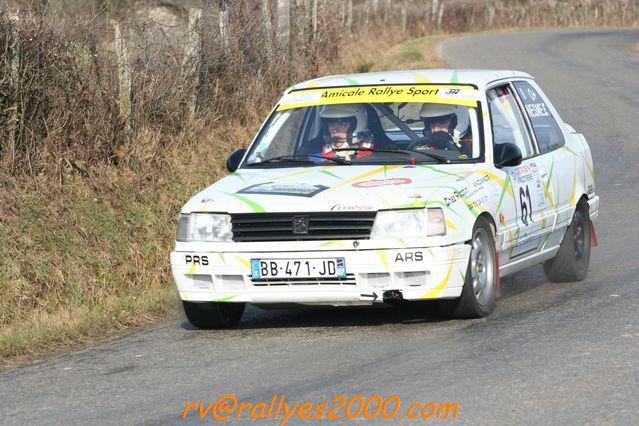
367 133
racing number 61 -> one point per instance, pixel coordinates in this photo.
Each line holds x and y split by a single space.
526 205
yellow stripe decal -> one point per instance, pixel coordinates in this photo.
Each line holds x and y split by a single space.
184 296
451 225
436 291
333 243
191 269
442 94
590 169
382 256
420 78
303 172
362 176
244 262
574 181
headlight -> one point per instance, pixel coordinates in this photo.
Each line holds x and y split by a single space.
409 223
204 227
399 223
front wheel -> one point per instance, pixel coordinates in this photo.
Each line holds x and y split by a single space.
478 294
208 315
572 259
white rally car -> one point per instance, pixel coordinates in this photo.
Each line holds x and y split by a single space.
369 188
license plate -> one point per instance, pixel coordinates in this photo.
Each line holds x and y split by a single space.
298 268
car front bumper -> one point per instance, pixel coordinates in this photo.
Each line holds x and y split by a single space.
419 273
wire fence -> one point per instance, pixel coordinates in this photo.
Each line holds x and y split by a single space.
78 90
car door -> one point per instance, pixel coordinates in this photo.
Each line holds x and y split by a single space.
558 164
522 228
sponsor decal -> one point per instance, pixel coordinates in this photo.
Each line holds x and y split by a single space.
352 208
382 182
409 256
293 190
457 194
196 260
459 95
481 181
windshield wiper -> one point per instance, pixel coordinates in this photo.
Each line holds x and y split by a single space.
439 158
297 159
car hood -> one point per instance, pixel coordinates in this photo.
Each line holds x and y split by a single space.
327 188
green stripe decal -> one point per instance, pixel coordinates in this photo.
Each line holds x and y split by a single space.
454 78
225 299
552 166
252 204
569 150
351 81
437 170
463 277
326 172
238 175
222 257
503 191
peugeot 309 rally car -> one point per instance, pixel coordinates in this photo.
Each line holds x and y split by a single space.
414 185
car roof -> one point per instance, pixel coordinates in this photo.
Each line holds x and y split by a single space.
479 78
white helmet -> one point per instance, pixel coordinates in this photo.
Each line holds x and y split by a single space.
460 120
356 112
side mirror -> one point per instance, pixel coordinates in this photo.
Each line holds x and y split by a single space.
507 155
233 161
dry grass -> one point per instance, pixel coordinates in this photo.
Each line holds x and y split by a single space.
88 211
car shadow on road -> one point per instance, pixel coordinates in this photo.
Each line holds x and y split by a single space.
295 316
347 316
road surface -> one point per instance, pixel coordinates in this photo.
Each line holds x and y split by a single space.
551 353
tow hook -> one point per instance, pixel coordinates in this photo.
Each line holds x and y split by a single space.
390 295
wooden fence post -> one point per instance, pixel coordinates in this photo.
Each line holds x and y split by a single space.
298 38
225 35
314 20
192 62
349 17
124 78
13 74
283 24
440 15
268 27
404 19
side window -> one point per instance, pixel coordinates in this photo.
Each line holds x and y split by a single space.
547 132
507 122
278 135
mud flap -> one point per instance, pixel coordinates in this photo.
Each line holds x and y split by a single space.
593 235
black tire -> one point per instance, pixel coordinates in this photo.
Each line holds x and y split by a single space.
478 297
208 315
572 260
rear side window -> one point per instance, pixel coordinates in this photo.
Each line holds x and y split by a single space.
547 132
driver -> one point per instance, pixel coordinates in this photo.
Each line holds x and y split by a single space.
341 126
447 126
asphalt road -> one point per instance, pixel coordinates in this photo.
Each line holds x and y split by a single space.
551 353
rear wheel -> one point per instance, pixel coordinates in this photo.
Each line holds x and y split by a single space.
208 315
478 294
572 259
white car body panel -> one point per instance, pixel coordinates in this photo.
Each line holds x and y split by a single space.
557 181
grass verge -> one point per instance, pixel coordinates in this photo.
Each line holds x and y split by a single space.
86 255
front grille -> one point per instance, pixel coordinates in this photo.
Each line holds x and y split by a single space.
321 226
348 280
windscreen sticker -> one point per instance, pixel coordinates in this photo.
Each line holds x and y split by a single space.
382 182
293 190
353 208
457 95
